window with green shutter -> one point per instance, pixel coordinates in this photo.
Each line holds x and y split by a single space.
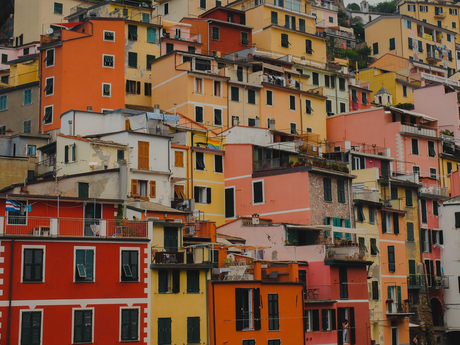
239 73
33 265
164 331
27 97
235 93
193 330
285 40
4 58
410 232
203 4
129 265
218 117
308 47
130 324
302 25
145 18
31 322
291 102
308 108
269 96
150 59
274 17
375 48
409 197
394 193
342 84
273 313
163 281
424 211
49 86
392 44
193 281
132 32
249 342
251 96
199 114
151 35
431 149
414 143
244 38
27 127
84 263
360 214
132 60
120 155
315 78
371 215
341 191
391 259
83 190
215 33
169 47
47 118
374 248
57 8
327 183
83 326
171 239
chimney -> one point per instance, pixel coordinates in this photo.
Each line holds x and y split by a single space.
255 219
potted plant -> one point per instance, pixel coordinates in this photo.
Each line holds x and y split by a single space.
330 253
294 242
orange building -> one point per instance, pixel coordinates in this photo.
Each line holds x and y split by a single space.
267 309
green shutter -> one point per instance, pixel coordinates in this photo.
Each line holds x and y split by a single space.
151 35
150 59
408 197
193 281
347 223
66 154
163 281
390 305
274 17
257 320
193 330
239 293
164 331
176 281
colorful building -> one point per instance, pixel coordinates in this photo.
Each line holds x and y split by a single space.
360 97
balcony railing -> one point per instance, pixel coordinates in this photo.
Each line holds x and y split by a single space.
397 308
342 34
367 195
433 189
434 55
317 293
47 165
185 205
168 257
281 81
438 282
415 280
346 252
418 130
72 227
438 79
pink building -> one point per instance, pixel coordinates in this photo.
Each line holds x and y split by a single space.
440 101
411 137
360 98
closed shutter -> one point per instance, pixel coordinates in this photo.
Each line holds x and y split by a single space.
424 213
31 327
229 203
258 192
150 59
351 311
274 17
422 240
129 324
269 97
315 321
66 154
170 239
120 154
412 273
199 114
343 278
127 88
138 87
239 308
164 331
251 96
410 232
143 155
457 219
151 35
391 259
375 290
333 320
302 25
208 195
193 281
384 222
441 237
396 223
193 330
324 320
430 244
308 46
196 193
327 189
257 321
153 189
163 281
134 190
176 281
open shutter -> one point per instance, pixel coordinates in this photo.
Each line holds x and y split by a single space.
396 223
441 237
89 259
390 305
324 320
384 222
239 309
351 311
208 195
315 317
430 244
127 86
66 154
138 87
134 187
153 189
399 295
162 281
333 321
340 320
257 321
196 193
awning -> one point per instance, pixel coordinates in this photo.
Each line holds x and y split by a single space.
164 117
413 113
273 67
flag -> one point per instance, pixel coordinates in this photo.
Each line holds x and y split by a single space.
213 144
344 46
12 206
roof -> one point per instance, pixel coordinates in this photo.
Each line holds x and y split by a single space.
24 58
383 91
413 113
150 206
92 140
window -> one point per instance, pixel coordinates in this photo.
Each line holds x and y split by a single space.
215 35
343 280
218 164
106 90
164 331
4 58
315 78
168 281
374 248
133 87
407 24
274 342
308 47
109 36
274 17
83 326
425 240
129 324
343 107
199 86
410 232
257 192
431 149
49 86
143 155
244 38
83 190
391 259
31 324
129 265
411 8
435 208
27 98
454 25
199 161
26 127
416 170
49 60
249 342
375 48
433 173
202 194
166 8
414 146
341 191
269 97
193 330
179 158
199 114
328 322
48 117
329 107
193 281
449 167
326 80
120 155
239 73
308 108
409 197
217 88
84 263
312 320
364 98
251 122
457 219
229 202
423 8
132 60
423 211
342 84
203 4
438 237
302 25
179 191
169 47
33 261
285 40
149 59
57 8
292 103
359 213
387 227
273 314
404 91
145 18
392 44
251 96
247 303
235 94
147 89
375 290
371 215
327 189
132 32
293 128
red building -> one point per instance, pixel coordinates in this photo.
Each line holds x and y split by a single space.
72 279
360 98
223 31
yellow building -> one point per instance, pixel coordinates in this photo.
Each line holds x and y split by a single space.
24 70
413 39
444 14
449 161
178 288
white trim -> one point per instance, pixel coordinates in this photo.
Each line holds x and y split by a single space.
73 323
234 202
31 246
54 57
75 248
202 86
281 212
237 177
392 241
392 276
81 302
170 79
206 181
354 300
52 114
263 192
214 116
110 93
103 36
205 104
138 323
138 249
41 322
103 61
436 170
295 102
46 83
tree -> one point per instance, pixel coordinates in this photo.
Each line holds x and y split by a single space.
384 7
354 6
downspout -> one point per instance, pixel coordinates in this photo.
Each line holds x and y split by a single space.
228 106
213 312
349 202
10 293
209 22
207 303
244 108
336 84
301 117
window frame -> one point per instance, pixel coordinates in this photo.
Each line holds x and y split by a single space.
233 188
215 33
243 41
30 247
263 192
131 56
73 324
130 249
433 173
328 197
293 128
52 113
48 93
291 103
219 88
75 248
202 113
22 312
54 8
138 323
267 91
218 111
413 142
103 61
196 162
222 164
190 288
110 90
193 341
108 31
24 103
47 64
158 331
199 86
237 94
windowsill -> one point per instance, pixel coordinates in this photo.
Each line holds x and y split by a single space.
274 330
196 293
25 105
218 172
203 170
258 203
78 282
4 109
33 282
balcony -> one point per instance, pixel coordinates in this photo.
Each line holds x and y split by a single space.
439 79
281 81
418 130
71 227
438 282
179 257
345 252
439 15
327 5
433 189
433 56
366 195
317 293
450 149
46 166
398 309
340 34
415 281
186 205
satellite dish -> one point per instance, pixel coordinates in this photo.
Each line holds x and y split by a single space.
49 31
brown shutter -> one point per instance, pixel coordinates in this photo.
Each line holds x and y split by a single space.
179 159
143 155
153 189
127 124
134 187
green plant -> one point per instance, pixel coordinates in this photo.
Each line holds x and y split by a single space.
331 253
294 242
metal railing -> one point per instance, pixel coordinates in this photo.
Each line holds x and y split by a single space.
168 257
394 307
317 292
419 130
415 280
433 189
282 81
342 34
46 165
434 55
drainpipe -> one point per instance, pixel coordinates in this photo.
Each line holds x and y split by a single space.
244 108
228 106
214 312
349 202
301 117
10 294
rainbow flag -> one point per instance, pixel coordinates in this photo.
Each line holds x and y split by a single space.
213 144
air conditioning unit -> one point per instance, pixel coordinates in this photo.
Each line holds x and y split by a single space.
190 230
271 124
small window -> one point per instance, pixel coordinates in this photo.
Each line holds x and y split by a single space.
431 149
315 78
218 164
147 89
414 146
83 190
269 97
218 117
199 157
308 47
251 122
83 326
132 32
84 264
215 33
371 215
49 60
416 170
257 192
292 105
410 232
193 281
244 38
193 330
342 84
145 18
199 86
364 98
375 290
409 197
202 194
27 97
404 87
359 213
274 17
203 4
49 86
391 259
435 208
4 59
217 88
375 48
293 128
341 191
164 331
327 184
308 108
31 327
235 94
33 261
151 35
329 107
374 248
48 116
106 90
457 220
27 127
120 155
129 265
285 40
433 173
199 114
132 60
343 107
149 60
166 8
392 44
273 314
129 324
251 96
109 36
57 8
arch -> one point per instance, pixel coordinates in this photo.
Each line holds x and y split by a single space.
437 312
